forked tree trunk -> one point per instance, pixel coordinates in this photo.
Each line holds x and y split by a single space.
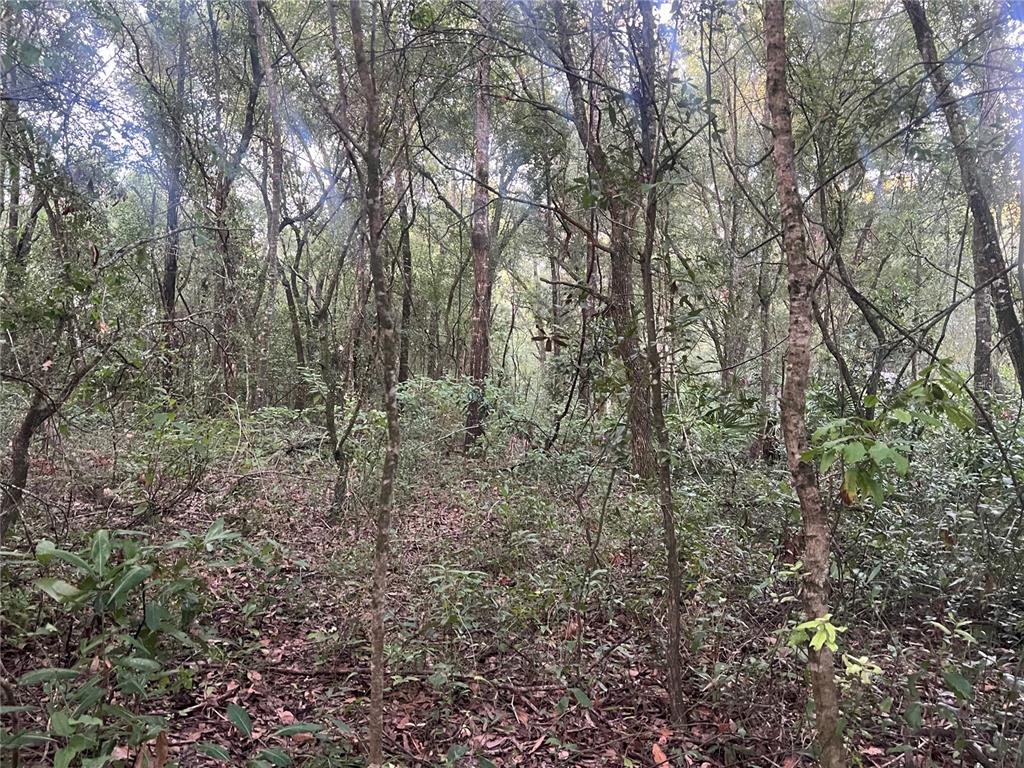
480 243
794 391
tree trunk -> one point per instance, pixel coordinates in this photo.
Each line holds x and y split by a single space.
373 195
169 281
794 393
405 250
982 315
480 242
622 310
38 412
988 256
674 662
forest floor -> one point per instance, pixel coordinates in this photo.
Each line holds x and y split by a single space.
512 641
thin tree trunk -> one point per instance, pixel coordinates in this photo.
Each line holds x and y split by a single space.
989 261
169 281
794 393
982 315
405 251
374 204
648 117
277 191
480 242
622 309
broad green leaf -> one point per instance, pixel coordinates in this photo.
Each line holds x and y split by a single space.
275 757
47 675
216 751
854 452
240 718
455 753
880 452
902 416
139 664
131 580
58 589
900 462
959 684
914 715
100 550
47 551
64 757
581 698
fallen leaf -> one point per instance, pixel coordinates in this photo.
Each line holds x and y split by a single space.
660 758
286 717
160 750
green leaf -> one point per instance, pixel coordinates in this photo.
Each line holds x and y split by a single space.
854 452
47 675
902 416
275 757
60 724
47 551
900 462
828 458
483 762
139 664
291 730
914 715
216 751
880 453
959 684
581 698
58 589
100 550
131 580
455 753
240 718
64 757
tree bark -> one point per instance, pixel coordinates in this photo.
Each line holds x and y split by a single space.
38 412
480 243
982 314
621 309
988 255
405 251
794 392
648 127
169 281
373 195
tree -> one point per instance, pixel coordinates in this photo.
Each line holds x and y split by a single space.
794 393
989 265
480 242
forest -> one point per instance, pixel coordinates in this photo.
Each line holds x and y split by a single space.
497 383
